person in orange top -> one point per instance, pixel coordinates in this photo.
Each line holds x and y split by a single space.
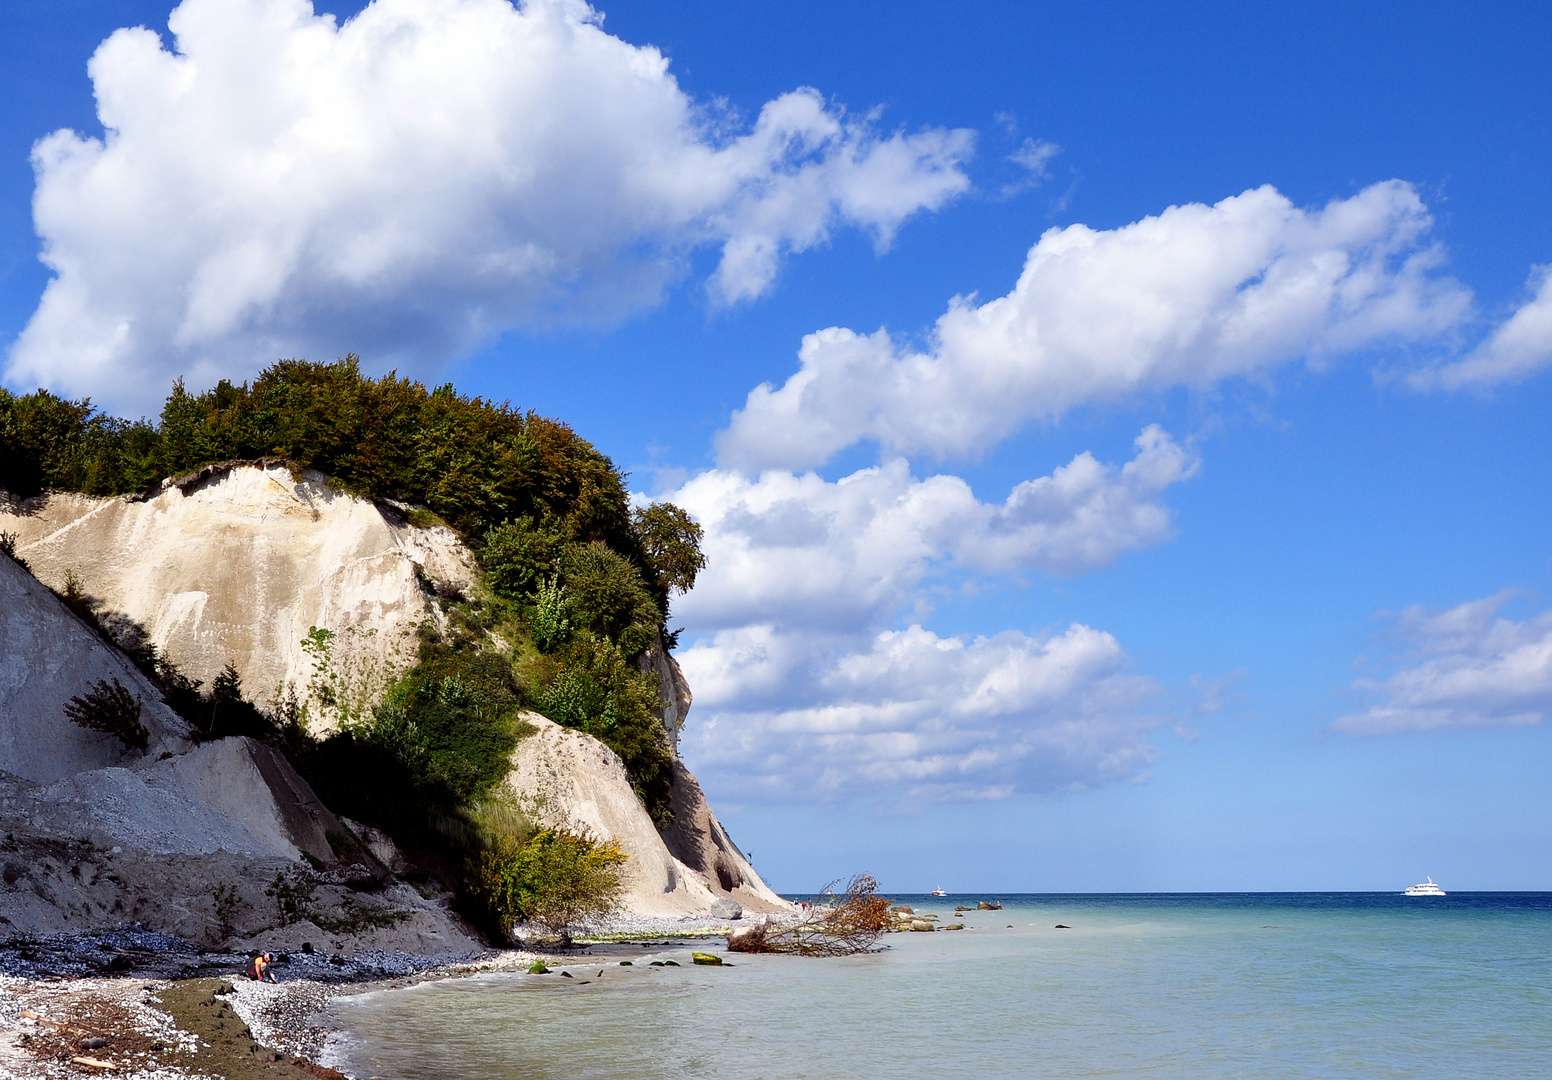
260 966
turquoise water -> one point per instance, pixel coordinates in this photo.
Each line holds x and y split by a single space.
1243 986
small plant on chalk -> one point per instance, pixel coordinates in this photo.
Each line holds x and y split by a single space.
8 549
110 708
547 621
294 894
227 903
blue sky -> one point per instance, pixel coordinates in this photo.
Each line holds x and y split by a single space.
1301 642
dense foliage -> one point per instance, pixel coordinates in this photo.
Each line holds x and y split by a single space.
473 463
439 742
554 878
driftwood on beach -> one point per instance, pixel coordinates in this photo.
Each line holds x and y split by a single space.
851 924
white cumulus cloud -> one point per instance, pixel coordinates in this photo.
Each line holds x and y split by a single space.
846 555
1517 349
801 690
1472 668
916 715
1190 297
413 181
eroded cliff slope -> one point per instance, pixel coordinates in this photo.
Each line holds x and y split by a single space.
181 838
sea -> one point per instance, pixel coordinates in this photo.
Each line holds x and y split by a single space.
1238 986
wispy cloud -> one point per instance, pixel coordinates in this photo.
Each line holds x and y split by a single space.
1469 667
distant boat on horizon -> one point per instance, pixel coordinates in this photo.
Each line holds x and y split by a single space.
1428 888
937 892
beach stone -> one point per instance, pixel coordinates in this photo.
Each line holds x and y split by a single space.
626 963
903 909
711 959
538 968
727 908
920 926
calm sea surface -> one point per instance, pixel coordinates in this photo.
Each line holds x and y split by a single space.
1256 985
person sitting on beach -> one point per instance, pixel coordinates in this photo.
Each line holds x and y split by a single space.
260 966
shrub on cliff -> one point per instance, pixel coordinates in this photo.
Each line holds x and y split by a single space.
608 596
110 708
599 691
440 740
554 878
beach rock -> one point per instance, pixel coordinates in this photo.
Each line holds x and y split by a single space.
726 908
1063 926
709 959
538 968
920 926
902 909
984 906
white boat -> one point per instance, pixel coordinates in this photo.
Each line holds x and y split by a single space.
938 892
1427 888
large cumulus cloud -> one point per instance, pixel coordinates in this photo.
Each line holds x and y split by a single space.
409 183
1192 297
802 690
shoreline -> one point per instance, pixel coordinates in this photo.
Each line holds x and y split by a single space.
156 1007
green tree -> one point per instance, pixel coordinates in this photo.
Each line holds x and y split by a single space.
556 879
670 544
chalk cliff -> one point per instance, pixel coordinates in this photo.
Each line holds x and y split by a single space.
96 835
567 779
234 565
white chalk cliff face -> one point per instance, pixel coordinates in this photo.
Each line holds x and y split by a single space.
97 836
566 779
235 564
